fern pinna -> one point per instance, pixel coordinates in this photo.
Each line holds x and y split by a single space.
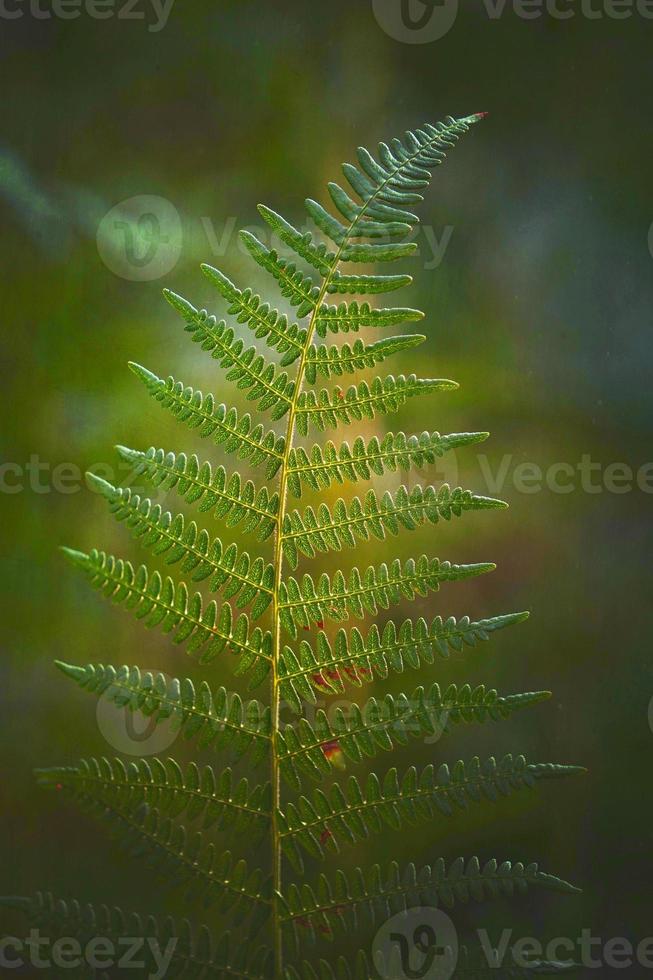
275 620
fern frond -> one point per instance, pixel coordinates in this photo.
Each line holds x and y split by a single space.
213 877
357 897
159 602
238 576
345 816
217 719
200 412
311 749
298 289
359 659
304 603
323 531
352 317
289 339
335 361
250 371
325 409
385 186
196 793
316 254
230 498
194 952
330 464
371 221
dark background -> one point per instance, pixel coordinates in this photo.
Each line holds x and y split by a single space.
540 308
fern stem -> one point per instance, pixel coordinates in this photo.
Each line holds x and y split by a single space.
278 564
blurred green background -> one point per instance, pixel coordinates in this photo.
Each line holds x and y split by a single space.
538 302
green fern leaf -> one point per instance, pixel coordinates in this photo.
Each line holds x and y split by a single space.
385 186
315 254
352 317
159 602
288 339
351 814
322 466
311 532
200 412
357 659
195 793
298 289
305 603
335 361
358 897
217 719
247 368
239 577
312 749
230 498
364 401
